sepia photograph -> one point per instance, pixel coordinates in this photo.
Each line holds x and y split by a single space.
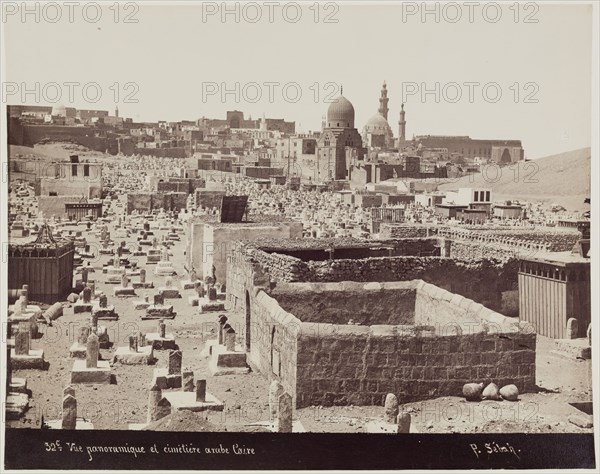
317 235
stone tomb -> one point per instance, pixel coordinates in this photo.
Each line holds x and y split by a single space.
91 370
142 283
17 398
164 267
159 310
84 304
410 338
69 420
171 376
139 352
124 290
193 397
22 356
103 310
161 340
393 422
226 358
190 283
168 291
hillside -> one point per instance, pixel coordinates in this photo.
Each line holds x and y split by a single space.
563 179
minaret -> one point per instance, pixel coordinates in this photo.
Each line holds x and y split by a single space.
117 111
383 102
402 123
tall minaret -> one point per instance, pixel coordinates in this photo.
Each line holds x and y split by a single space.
402 123
383 102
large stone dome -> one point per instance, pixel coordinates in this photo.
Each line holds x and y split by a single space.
378 124
340 114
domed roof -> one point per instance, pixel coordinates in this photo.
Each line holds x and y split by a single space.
340 113
377 122
60 110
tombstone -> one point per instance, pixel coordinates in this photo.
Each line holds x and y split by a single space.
141 339
162 328
124 280
222 323
391 408
25 295
284 413
154 397
146 226
18 307
229 339
69 413
22 342
159 300
193 275
223 288
275 390
87 294
174 362
143 275
187 380
91 353
200 390
133 343
212 293
403 422
169 282
103 301
68 390
94 322
83 335
572 328
165 255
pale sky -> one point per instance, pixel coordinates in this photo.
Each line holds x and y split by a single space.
173 55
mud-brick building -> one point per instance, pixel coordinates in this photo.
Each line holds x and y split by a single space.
44 263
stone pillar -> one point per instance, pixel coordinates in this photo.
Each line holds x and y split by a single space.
69 413
25 295
94 319
572 328
187 380
229 339
133 343
275 391
143 275
222 322
403 421
154 398
91 353
22 340
162 328
212 293
200 390
141 339
84 332
391 408
284 413
174 362
87 294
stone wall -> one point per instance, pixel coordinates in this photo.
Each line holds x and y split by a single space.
359 365
452 341
273 340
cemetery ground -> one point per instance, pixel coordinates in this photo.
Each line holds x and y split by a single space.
561 380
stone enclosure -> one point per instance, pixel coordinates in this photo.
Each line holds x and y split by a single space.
352 343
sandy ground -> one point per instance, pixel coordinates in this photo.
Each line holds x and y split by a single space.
561 380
